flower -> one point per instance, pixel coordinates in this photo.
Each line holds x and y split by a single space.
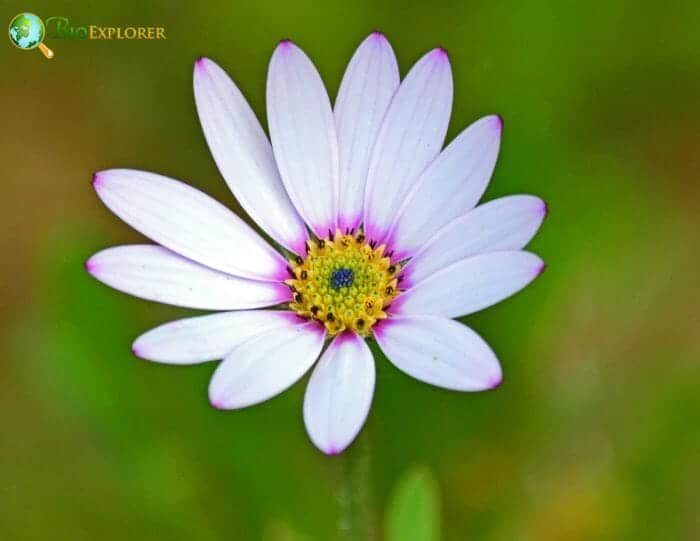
375 230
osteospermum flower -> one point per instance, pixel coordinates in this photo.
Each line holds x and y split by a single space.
371 233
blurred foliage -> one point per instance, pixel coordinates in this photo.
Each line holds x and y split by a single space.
593 434
413 513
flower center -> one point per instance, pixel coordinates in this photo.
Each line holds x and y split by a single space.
342 278
344 282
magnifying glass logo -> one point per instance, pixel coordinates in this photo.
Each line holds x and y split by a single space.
27 31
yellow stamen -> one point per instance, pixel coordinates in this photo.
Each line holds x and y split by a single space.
344 283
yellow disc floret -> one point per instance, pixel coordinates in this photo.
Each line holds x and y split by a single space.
344 282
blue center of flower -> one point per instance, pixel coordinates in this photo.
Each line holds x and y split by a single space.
342 278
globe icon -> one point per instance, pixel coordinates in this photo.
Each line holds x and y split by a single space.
27 31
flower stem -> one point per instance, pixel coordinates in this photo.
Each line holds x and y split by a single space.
355 493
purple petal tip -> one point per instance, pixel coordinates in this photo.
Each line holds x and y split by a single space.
90 266
545 208
285 43
95 179
442 52
496 383
217 404
499 120
200 62
542 268
378 34
332 451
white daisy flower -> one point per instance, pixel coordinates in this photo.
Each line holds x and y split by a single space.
371 232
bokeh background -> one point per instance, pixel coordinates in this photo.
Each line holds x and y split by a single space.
594 433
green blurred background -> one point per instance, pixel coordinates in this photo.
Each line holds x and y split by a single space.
594 433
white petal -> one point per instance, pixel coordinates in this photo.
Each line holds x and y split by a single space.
439 351
339 394
410 137
266 365
508 223
206 338
451 185
244 155
370 80
188 222
157 274
303 136
470 285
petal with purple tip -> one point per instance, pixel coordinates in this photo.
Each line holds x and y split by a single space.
411 135
206 338
370 81
450 186
508 223
266 365
244 155
157 274
470 285
303 136
440 352
339 393
189 223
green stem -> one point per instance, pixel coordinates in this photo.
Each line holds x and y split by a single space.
355 492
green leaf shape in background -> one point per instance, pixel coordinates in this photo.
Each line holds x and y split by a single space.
414 510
